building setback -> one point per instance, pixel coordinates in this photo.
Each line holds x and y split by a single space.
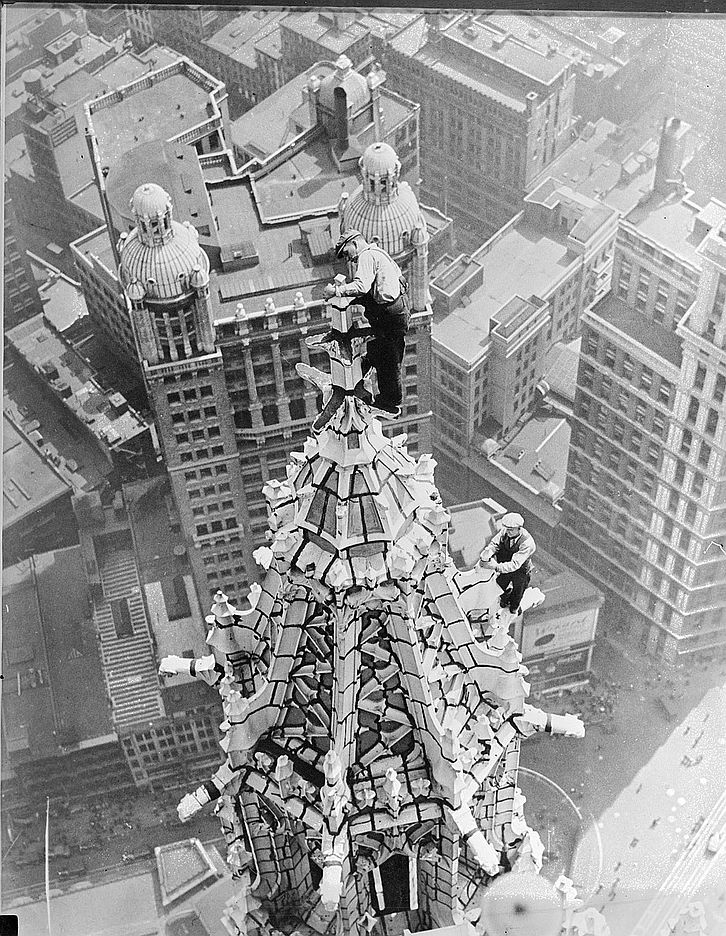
496 111
499 312
645 475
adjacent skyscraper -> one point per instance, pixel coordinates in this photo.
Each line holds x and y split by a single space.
647 472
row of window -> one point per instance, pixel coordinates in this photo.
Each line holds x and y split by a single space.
639 375
201 454
216 526
190 395
206 472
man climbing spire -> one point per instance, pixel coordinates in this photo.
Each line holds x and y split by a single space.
380 288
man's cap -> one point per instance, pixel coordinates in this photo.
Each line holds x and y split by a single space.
345 238
512 520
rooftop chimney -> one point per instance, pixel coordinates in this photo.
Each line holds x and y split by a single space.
668 174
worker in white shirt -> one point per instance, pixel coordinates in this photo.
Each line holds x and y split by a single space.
380 288
509 552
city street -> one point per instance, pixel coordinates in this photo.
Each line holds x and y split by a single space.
109 837
647 810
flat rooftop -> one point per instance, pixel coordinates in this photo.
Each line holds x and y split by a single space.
29 481
284 262
173 166
50 628
592 165
132 65
513 52
651 335
79 690
163 111
320 28
41 416
270 124
537 454
107 415
306 182
92 49
524 261
182 866
175 616
237 39
63 301
669 223
538 32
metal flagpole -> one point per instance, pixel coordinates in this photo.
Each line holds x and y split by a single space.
47 861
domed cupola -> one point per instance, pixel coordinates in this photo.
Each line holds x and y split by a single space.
347 85
384 209
160 253
165 275
152 209
380 168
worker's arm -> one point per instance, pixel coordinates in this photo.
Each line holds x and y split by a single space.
362 282
491 547
526 548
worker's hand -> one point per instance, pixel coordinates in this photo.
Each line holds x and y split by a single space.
329 291
485 562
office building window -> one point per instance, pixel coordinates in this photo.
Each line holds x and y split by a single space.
697 484
712 421
704 455
700 377
693 407
719 389
686 442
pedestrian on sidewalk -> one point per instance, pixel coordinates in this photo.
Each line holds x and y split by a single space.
379 286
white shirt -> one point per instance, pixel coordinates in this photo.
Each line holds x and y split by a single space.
375 271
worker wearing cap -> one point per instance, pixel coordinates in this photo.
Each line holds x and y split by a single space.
379 287
509 550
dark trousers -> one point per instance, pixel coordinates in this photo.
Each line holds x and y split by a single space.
519 580
387 346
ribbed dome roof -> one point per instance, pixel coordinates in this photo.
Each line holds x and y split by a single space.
380 159
159 266
388 222
150 201
356 88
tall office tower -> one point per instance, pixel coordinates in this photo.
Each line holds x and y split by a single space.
647 471
228 404
165 276
496 110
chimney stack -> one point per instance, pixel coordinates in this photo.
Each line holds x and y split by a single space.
668 174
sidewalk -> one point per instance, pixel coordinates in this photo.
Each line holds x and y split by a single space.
596 769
